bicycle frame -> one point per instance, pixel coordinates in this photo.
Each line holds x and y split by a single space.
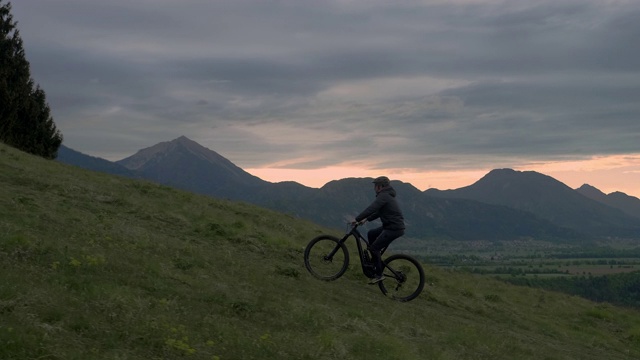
364 258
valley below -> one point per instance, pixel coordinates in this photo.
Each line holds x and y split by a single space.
606 271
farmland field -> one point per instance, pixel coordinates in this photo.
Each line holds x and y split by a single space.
528 257
605 272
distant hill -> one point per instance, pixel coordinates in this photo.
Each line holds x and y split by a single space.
184 164
617 199
458 219
72 157
548 199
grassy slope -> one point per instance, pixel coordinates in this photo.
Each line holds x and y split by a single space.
100 267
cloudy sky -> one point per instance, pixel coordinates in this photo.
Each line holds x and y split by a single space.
433 92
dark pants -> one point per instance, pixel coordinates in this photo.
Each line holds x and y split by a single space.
379 239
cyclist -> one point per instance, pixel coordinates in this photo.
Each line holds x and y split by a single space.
386 208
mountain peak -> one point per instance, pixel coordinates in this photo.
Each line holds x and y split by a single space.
590 191
629 204
514 179
184 161
154 153
183 140
193 146
503 171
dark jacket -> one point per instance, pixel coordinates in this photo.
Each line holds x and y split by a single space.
386 208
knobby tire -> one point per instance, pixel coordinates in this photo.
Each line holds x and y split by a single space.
408 280
317 263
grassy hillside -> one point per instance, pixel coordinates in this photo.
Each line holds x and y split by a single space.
94 266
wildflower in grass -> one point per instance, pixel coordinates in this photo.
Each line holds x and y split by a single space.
265 340
94 260
179 341
75 262
181 345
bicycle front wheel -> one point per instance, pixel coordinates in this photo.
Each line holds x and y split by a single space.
404 278
326 258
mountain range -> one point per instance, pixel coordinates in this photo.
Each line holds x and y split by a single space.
504 205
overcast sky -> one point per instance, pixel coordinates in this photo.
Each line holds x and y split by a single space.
435 93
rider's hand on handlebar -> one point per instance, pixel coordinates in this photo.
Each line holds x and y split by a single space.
354 223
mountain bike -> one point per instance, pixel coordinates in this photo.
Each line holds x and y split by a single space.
327 258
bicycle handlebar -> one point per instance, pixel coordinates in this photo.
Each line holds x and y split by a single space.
357 223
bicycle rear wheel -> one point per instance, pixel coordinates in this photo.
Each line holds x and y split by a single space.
404 278
326 258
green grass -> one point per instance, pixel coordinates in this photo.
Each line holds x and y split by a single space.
101 267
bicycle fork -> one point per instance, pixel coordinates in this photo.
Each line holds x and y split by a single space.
330 255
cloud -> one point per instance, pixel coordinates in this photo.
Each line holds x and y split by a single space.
409 85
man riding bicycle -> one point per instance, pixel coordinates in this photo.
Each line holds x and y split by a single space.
386 208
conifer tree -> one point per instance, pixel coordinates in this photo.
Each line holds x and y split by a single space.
25 116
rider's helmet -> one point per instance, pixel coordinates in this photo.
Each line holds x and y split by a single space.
382 180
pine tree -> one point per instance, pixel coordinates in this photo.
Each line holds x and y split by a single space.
25 116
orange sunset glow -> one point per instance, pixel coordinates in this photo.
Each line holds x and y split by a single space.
607 173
